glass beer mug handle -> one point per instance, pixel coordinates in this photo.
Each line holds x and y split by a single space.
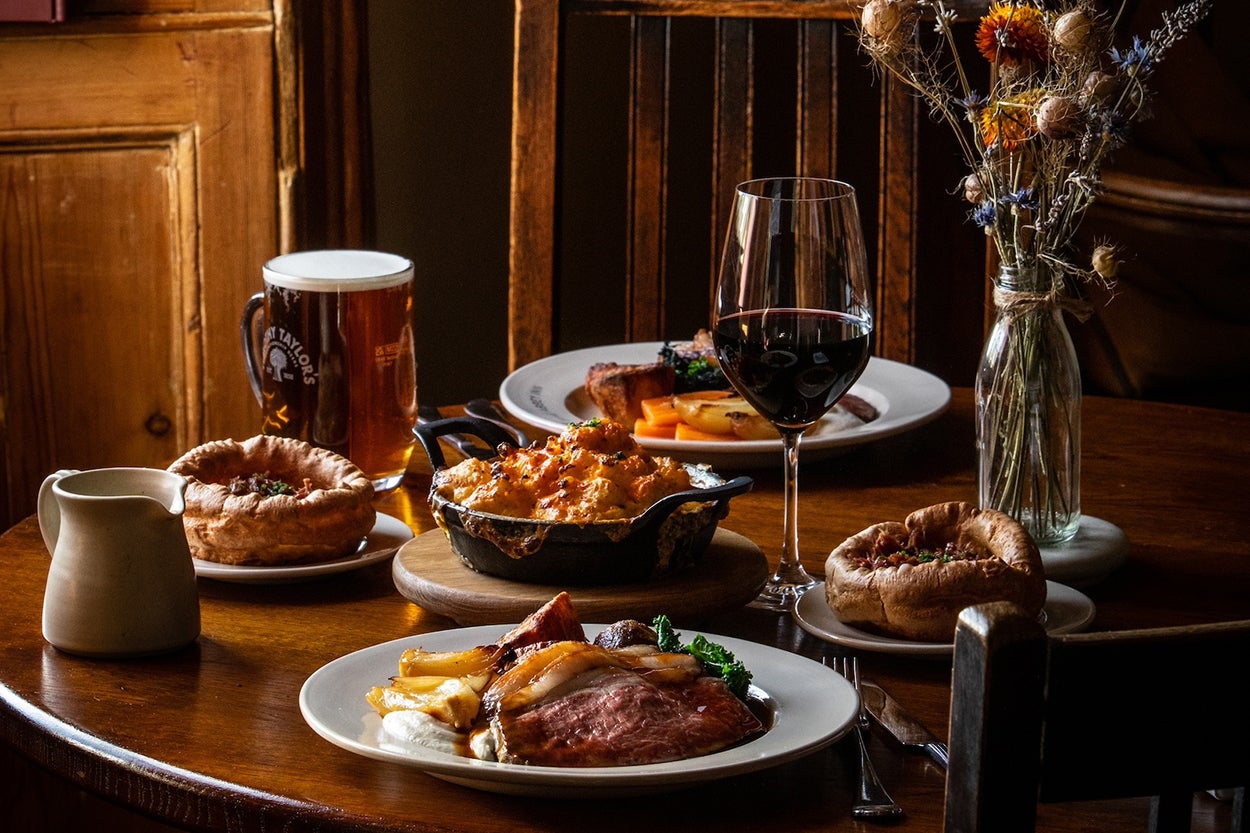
251 354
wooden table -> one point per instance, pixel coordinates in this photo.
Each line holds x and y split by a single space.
212 738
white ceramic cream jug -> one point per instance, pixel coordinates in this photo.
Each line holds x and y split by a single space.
122 582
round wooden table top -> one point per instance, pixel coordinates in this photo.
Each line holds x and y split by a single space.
211 737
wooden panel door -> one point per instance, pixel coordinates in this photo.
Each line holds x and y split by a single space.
139 196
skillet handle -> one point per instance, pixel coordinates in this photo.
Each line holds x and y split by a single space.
427 434
665 506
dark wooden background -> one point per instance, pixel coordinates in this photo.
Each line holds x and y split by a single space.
440 88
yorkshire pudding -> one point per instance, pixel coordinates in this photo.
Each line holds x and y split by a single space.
313 504
910 580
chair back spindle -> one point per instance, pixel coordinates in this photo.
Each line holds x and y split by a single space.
1080 717
788 93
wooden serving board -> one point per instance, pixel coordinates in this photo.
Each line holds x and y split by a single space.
427 572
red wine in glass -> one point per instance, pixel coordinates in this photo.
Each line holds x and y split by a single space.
792 321
792 365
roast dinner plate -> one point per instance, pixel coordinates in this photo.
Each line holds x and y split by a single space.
812 706
387 535
551 393
1067 610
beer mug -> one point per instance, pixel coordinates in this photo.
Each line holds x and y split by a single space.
336 364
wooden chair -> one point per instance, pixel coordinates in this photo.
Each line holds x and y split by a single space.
833 122
1175 325
1037 718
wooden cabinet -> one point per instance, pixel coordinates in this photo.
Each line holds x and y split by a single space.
151 160
153 154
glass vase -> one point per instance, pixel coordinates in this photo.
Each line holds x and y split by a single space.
1028 394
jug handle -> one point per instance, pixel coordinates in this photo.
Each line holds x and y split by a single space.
247 329
49 511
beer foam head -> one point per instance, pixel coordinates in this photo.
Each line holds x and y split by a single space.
338 270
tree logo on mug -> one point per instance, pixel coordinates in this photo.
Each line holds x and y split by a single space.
284 355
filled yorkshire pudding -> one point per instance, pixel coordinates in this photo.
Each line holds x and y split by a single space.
273 500
910 580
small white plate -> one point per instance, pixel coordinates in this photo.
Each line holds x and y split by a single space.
1067 611
387 535
551 393
812 707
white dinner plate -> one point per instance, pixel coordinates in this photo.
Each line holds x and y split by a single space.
1067 611
812 706
551 393
387 535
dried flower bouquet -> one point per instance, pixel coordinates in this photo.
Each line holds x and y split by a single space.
1061 98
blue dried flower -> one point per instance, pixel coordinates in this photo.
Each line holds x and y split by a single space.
1024 198
974 102
1112 127
1138 56
985 214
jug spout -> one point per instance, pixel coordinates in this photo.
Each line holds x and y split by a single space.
106 490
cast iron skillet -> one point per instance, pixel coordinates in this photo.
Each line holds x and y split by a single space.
669 536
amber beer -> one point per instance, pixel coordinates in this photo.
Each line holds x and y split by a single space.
337 364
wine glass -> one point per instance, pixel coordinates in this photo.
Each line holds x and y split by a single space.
791 323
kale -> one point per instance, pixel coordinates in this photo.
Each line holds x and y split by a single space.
694 372
716 659
667 639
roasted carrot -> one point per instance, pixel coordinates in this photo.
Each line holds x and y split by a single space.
687 433
659 411
643 428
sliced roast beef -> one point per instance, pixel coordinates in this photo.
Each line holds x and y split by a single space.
617 717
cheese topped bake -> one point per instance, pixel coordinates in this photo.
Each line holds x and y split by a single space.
593 471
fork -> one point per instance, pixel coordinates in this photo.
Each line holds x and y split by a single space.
872 801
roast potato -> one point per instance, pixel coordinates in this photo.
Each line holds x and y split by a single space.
723 412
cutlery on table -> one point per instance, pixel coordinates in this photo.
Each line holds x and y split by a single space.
485 409
904 728
872 801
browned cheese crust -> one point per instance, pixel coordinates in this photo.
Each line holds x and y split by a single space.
330 521
922 601
592 471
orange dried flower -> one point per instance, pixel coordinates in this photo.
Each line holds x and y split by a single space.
1012 35
1011 121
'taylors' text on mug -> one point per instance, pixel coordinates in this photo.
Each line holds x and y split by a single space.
337 365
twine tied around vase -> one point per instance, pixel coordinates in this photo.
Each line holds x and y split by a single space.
1014 303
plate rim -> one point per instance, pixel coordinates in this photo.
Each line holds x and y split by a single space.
1056 593
392 530
912 401
805 720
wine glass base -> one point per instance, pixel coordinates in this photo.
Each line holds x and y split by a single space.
781 595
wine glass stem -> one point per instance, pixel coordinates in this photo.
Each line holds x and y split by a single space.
790 580
790 569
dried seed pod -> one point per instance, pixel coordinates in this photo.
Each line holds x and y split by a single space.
1106 262
974 192
1058 117
1073 32
882 21
1099 88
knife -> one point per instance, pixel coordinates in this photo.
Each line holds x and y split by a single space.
906 729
